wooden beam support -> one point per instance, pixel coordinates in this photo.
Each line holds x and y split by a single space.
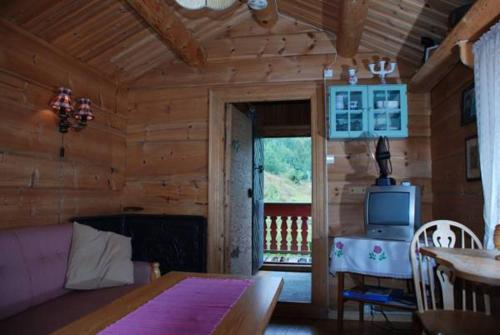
479 17
162 19
268 16
352 21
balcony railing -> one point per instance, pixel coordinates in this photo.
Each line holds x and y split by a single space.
287 232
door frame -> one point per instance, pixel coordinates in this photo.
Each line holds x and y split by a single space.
218 98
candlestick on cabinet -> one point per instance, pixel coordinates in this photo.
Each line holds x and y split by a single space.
382 72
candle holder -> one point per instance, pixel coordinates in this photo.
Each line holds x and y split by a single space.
382 72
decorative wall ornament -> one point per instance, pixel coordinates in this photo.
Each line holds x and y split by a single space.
472 164
382 72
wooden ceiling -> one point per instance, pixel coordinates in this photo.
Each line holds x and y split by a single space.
393 27
109 36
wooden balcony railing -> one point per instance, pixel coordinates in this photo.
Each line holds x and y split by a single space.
287 228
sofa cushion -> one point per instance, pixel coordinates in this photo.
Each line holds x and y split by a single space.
98 259
56 313
32 266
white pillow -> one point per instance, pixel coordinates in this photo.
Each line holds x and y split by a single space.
98 259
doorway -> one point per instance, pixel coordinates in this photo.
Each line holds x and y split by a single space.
268 184
218 100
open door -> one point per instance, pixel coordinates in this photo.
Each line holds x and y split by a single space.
258 205
239 151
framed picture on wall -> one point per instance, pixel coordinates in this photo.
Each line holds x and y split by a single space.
472 167
468 110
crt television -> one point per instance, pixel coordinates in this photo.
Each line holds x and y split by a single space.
392 212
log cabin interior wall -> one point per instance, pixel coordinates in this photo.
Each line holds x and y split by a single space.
455 198
168 133
167 143
36 187
148 146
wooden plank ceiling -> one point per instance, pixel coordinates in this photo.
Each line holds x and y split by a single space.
110 37
393 27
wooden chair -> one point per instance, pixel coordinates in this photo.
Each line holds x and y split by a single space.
439 316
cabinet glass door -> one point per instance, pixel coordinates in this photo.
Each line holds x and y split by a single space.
387 112
347 107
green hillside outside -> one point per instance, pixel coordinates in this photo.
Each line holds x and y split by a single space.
287 170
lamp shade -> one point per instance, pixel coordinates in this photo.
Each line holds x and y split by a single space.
62 100
83 111
212 4
257 4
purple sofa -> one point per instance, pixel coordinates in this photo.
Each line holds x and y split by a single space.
33 299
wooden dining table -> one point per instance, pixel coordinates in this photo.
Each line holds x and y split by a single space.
476 265
250 315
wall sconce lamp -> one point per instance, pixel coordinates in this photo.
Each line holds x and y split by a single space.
382 72
63 106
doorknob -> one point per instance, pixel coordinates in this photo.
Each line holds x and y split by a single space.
250 193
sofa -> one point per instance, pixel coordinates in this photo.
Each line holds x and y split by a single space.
33 263
176 242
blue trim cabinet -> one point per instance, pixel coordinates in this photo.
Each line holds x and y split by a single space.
365 111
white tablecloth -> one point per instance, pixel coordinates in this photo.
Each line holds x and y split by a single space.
381 258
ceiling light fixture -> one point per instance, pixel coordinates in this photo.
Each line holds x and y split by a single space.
257 4
212 4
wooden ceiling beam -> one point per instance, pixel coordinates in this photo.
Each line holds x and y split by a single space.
352 21
479 17
163 20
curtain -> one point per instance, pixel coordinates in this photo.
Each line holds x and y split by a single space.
487 87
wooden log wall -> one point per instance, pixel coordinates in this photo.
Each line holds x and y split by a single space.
167 132
36 187
167 151
455 198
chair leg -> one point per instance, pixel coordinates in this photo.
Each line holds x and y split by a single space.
340 300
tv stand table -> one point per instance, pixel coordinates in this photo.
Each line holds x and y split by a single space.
362 255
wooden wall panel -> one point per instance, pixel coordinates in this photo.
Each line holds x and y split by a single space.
167 151
263 70
155 156
36 186
455 198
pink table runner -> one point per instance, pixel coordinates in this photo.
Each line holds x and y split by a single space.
194 306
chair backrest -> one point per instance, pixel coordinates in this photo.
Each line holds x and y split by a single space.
443 234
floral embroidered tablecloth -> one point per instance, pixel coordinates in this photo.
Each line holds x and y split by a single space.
381 258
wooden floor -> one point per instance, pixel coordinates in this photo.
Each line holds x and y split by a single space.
329 327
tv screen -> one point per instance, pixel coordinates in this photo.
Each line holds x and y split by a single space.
389 208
